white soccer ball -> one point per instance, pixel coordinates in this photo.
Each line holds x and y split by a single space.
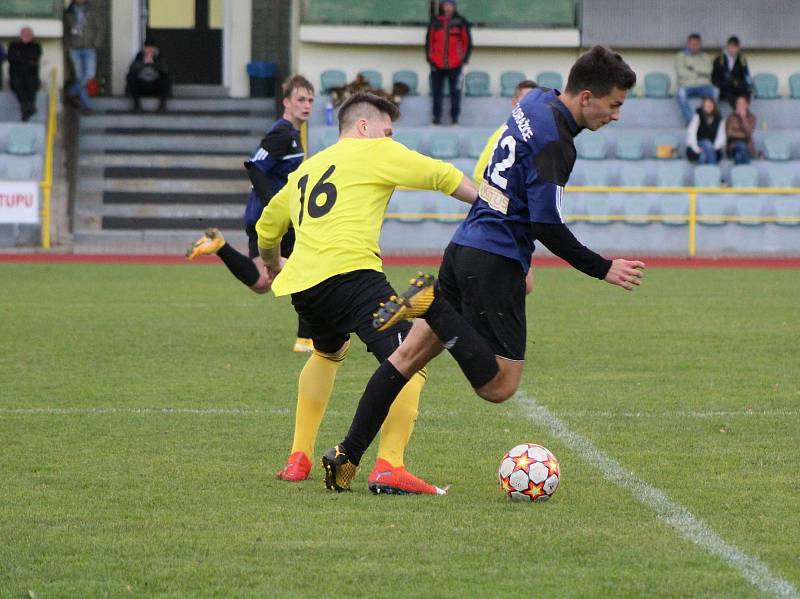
529 472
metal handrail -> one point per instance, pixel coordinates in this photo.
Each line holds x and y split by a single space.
46 183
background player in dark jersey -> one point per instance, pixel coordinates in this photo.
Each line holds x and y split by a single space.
280 153
477 309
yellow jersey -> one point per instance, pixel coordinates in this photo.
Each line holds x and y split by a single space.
486 155
336 201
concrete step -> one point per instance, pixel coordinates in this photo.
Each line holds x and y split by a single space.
188 90
171 211
148 241
166 186
189 222
186 144
210 161
177 121
258 105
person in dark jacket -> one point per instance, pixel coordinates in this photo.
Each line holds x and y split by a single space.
705 136
731 73
447 48
148 75
23 67
3 57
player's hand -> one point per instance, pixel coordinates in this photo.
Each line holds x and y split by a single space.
625 273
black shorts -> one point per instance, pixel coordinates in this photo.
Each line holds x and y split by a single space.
345 304
489 292
287 241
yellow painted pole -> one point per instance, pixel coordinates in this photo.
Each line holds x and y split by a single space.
692 223
46 183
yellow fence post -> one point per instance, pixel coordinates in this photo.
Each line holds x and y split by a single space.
692 222
46 184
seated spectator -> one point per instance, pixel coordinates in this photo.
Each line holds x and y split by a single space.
705 136
731 73
739 128
693 69
23 68
148 75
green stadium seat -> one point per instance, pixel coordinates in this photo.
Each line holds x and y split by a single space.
636 205
445 209
794 86
670 174
629 146
671 140
332 78
509 81
766 86
550 79
709 208
656 85
780 175
787 207
410 139
374 78
410 203
476 84
476 142
330 135
597 174
18 170
752 207
777 148
632 175
744 175
707 175
21 141
598 208
444 145
675 205
591 146
408 78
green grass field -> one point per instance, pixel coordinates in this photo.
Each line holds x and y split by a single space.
144 411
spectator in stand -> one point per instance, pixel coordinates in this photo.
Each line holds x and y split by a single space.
148 75
705 136
447 48
23 68
693 69
731 75
739 129
2 59
83 34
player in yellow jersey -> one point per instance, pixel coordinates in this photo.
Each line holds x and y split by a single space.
522 89
336 203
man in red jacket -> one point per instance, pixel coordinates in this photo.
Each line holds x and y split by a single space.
447 48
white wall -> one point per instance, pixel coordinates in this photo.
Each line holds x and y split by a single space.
237 46
125 41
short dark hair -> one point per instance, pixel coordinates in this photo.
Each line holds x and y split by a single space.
296 82
600 70
694 36
733 40
352 108
525 84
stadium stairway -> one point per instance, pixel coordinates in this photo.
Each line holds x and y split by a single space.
161 178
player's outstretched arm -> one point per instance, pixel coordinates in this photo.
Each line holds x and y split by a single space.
466 191
625 273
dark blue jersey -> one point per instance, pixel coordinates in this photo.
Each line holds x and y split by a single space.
279 154
524 182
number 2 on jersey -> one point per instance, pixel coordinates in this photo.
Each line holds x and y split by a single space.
322 186
509 143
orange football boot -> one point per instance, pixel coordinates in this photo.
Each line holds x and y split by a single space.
385 478
297 468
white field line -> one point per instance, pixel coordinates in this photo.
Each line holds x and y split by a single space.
667 510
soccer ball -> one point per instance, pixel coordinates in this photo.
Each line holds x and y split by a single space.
529 472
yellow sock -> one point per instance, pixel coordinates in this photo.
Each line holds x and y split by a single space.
313 393
400 422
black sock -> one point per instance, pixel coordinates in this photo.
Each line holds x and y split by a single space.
474 355
240 265
372 410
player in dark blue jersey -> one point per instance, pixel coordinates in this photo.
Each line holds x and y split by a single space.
477 309
279 154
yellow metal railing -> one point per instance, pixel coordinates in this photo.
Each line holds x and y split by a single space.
47 176
691 218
